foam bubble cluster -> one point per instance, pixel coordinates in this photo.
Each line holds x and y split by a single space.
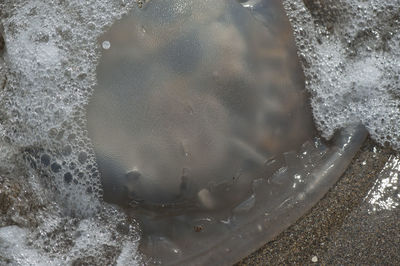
51 54
350 52
107 239
48 176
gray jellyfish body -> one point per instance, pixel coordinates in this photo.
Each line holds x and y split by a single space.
192 99
190 148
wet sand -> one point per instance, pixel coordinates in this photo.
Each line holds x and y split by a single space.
341 229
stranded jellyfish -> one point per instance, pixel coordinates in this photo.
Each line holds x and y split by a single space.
202 130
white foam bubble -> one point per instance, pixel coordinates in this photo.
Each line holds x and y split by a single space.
14 249
61 241
350 56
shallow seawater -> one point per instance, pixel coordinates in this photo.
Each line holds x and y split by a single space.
163 132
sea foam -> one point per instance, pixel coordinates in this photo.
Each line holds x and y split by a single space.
350 52
350 55
49 183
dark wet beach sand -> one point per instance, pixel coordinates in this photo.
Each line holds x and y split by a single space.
341 229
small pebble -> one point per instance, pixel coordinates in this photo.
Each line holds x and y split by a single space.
314 259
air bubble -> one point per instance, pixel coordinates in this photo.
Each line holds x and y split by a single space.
55 167
72 165
82 157
67 150
45 159
68 177
106 45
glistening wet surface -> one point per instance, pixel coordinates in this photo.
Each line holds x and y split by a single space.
51 204
356 222
183 100
202 128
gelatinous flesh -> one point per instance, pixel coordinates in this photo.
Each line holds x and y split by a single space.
202 129
192 100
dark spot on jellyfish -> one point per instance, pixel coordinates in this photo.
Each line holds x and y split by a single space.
68 177
76 182
82 157
88 167
55 167
80 174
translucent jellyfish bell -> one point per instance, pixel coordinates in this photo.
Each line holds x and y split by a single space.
202 129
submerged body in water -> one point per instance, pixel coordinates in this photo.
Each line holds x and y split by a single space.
192 101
